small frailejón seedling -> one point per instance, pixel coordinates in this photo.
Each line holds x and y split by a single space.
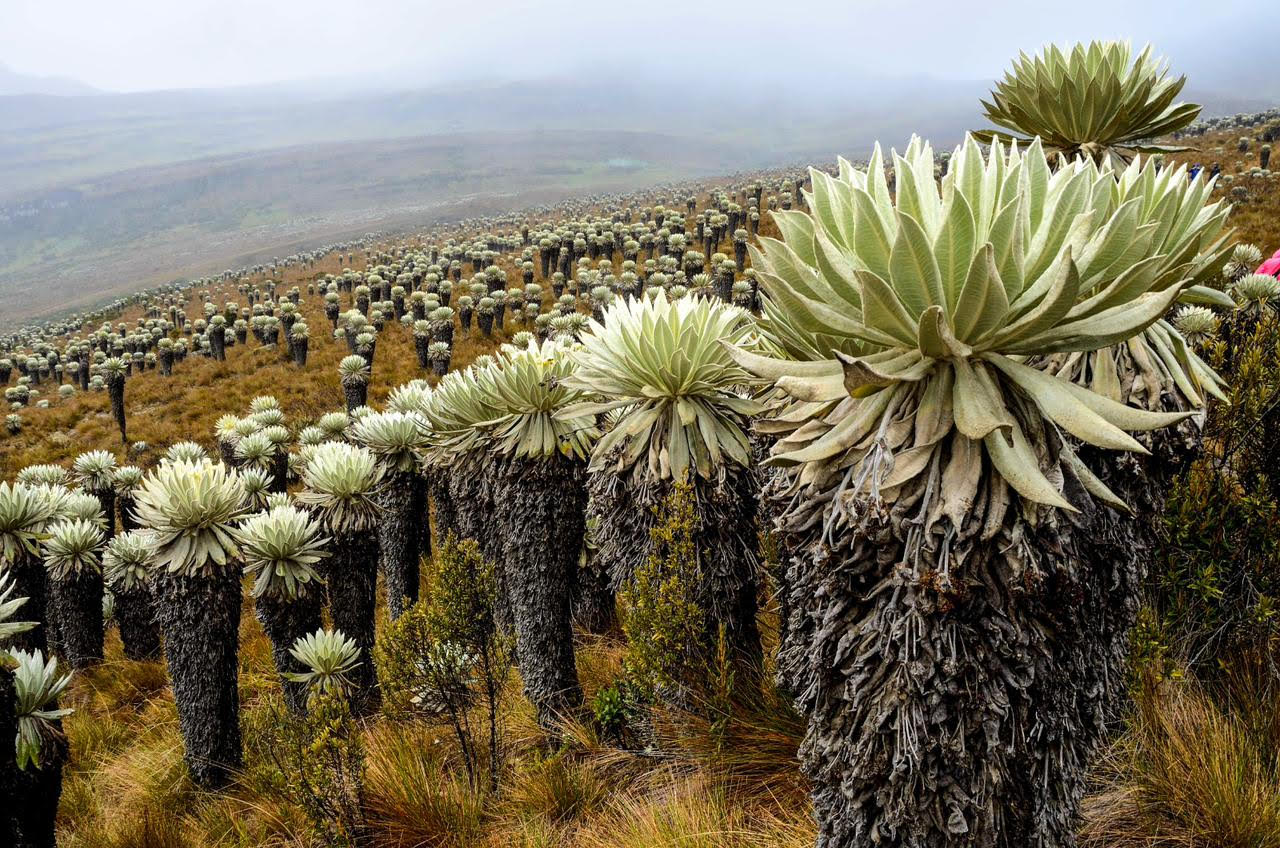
929 483
1196 324
1243 260
328 661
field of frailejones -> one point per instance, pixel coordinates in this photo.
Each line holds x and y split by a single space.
708 765
126 784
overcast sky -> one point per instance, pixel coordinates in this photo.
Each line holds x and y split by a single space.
130 45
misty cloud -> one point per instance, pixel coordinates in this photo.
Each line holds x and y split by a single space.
132 45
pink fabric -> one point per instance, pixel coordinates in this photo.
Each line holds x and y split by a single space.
1271 267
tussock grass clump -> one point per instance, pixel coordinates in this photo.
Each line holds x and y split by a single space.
559 789
417 794
1192 770
686 814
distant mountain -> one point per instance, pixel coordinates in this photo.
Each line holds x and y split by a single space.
12 82
59 141
1221 101
115 234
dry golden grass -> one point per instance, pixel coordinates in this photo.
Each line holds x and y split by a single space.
1257 218
1191 771
126 784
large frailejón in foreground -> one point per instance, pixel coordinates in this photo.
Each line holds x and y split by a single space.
931 488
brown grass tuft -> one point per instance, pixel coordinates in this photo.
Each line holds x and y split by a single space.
1191 773
417 795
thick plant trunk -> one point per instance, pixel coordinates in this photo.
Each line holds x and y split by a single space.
8 759
777 566
726 542
136 618
31 581
227 450
200 618
420 509
446 511
38 793
472 487
399 542
956 679
107 497
285 621
279 471
352 576
594 603
125 508
115 388
77 605
472 494
544 515
356 393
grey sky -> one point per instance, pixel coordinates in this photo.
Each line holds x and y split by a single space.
127 45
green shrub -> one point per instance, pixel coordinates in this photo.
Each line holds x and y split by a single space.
610 710
1217 585
661 617
445 656
321 758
